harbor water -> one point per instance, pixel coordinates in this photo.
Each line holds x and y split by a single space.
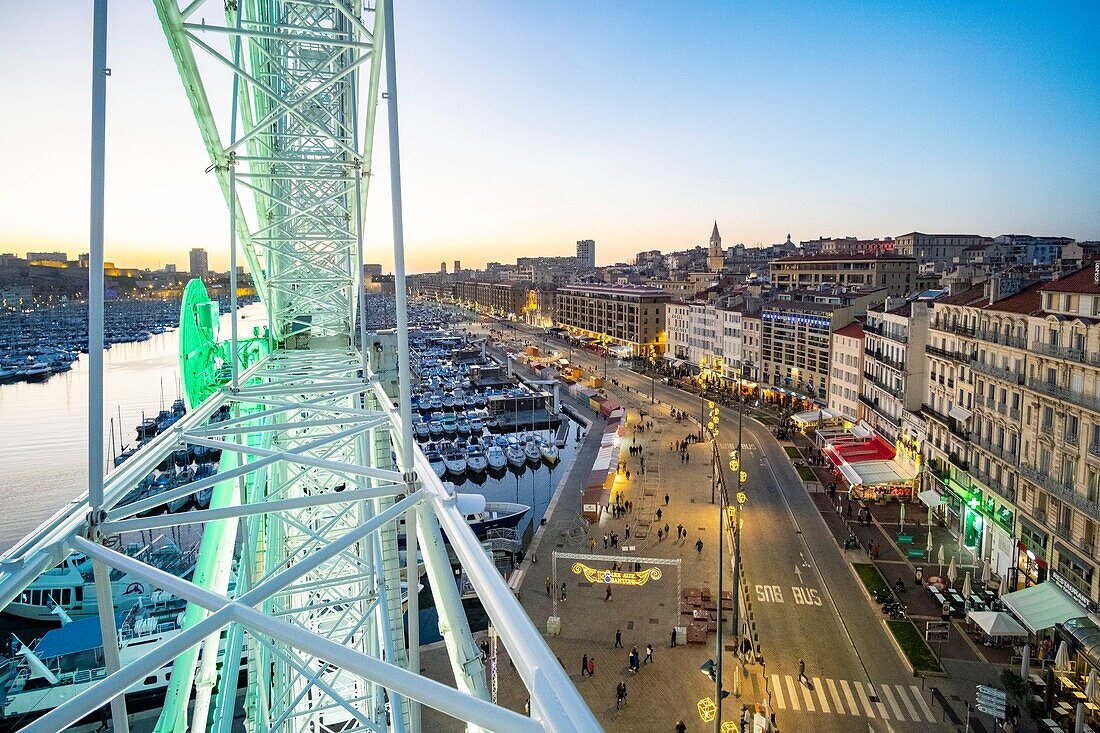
44 431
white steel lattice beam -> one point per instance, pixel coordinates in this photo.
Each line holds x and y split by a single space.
298 562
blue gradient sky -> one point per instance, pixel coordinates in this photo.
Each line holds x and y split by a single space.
527 126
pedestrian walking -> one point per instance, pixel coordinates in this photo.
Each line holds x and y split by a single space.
620 695
681 728
591 548
660 535
584 665
618 638
605 542
548 586
626 531
698 548
648 653
607 595
679 531
666 499
746 649
659 513
563 592
802 672
591 666
668 532
673 645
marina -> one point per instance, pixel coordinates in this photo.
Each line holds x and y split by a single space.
501 445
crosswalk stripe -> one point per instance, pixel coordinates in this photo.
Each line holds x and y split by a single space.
923 705
793 693
908 704
836 696
821 696
777 688
898 715
807 695
848 695
863 699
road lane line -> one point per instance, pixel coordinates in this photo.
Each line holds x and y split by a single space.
851 700
919 697
822 702
777 688
863 699
908 703
793 693
836 696
898 715
807 695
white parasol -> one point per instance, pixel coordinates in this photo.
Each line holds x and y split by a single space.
941 559
1061 659
951 572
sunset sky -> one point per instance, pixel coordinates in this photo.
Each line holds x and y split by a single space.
527 126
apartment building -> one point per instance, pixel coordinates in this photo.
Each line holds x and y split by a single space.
706 335
853 270
846 375
935 252
894 368
629 316
503 299
752 344
1024 487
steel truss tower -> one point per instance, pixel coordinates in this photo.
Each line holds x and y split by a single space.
298 582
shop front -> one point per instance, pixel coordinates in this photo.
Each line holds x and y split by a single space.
1030 567
982 518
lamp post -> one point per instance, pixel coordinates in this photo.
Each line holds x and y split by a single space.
740 504
715 470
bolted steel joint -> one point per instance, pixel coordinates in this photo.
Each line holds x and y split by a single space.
93 531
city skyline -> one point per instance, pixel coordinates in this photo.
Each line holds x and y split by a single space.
934 120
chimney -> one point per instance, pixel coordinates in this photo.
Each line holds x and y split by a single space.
994 288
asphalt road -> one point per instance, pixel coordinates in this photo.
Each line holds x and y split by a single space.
807 603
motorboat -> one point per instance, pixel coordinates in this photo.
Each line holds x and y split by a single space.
435 429
435 459
462 424
548 450
476 460
70 586
448 401
534 455
420 427
481 515
476 425
515 455
450 425
454 459
69 660
36 372
494 454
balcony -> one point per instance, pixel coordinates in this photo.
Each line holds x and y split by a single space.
1063 531
1065 352
993 484
958 461
882 358
951 423
1094 450
896 393
993 337
956 328
880 329
945 354
1065 492
997 372
1003 452
1061 393
881 411
1071 439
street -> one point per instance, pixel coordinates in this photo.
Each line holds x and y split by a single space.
808 604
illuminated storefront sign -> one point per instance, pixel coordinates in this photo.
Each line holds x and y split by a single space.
616 577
